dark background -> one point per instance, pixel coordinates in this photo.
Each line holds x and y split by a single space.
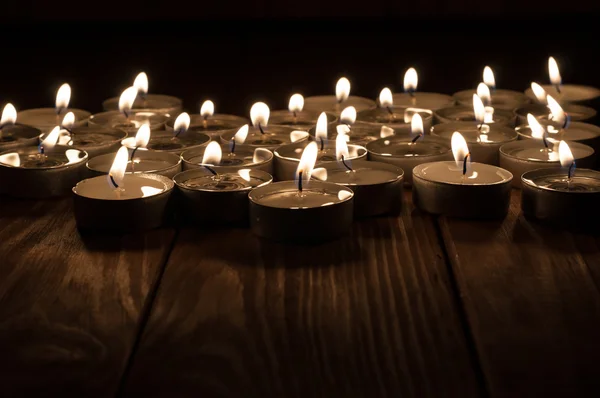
236 54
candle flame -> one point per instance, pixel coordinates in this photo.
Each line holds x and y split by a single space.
182 123
74 155
207 109
298 135
51 139
388 131
411 80
212 154
478 109
116 174
141 83
259 114
63 96
386 99
321 128
565 155
459 148
537 130
343 129
307 162
483 91
539 92
11 159
126 100
554 72
296 103
242 133
558 114
416 125
245 174
488 77
9 115
141 139
341 147
261 154
342 89
68 121
348 115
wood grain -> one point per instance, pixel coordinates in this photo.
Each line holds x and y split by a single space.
371 315
531 302
69 306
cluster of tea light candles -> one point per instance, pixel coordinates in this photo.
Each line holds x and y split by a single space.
334 157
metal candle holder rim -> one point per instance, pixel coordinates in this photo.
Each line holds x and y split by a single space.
587 126
169 185
260 174
457 126
241 147
169 156
417 169
253 195
380 165
407 139
54 150
533 143
305 142
526 179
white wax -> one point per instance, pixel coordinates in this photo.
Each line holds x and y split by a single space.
432 101
406 148
273 136
568 92
360 175
43 118
133 187
329 103
292 199
449 172
575 133
140 165
222 182
501 99
473 135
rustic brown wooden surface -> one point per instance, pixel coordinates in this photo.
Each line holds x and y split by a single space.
69 307
371 315
532 301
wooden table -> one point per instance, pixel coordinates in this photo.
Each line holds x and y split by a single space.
413 306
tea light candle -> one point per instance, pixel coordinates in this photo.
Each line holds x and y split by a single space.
261 135
180 139
362 133
541 110
217 198
564 196
525 155
237 156
50 170
45 119
335 104
156 103
407 152
14 135
210 123
584 133
465 114
377 186
120 201
498 98
302 210
142 162
565 92
461 188
287 157
418 99
296 117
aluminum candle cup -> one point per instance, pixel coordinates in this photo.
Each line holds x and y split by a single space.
158 103
466 114
217 199
166 142
405 154
144 162
431 101
18 135
323 211
330 104
568 93
303 120
25 173
507 100
287 157
95 140
441 188
363 133
396 119
584 133
142 204
213 125
578 113
377 186
116 120
522 156
549 196
45 119
484 145
244 157
273 137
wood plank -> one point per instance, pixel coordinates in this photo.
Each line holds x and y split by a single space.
69 306
371 315
531 302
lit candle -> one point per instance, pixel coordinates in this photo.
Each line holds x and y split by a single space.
295 116
180 139
478 103
45 119
127 118
418 99
564 92
336 103
211 123
154 103
461 188
122 201
525 155
13 135
565 196
507 100
301 210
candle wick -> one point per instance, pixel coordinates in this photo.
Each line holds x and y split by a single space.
571 171
112 180
178 132
261 129
416 138
205 122
465 163
545 141
345 164
133 153
233 145
557 88
322 143
300 181
214 173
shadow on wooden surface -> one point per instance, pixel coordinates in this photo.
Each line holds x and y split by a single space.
69 314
